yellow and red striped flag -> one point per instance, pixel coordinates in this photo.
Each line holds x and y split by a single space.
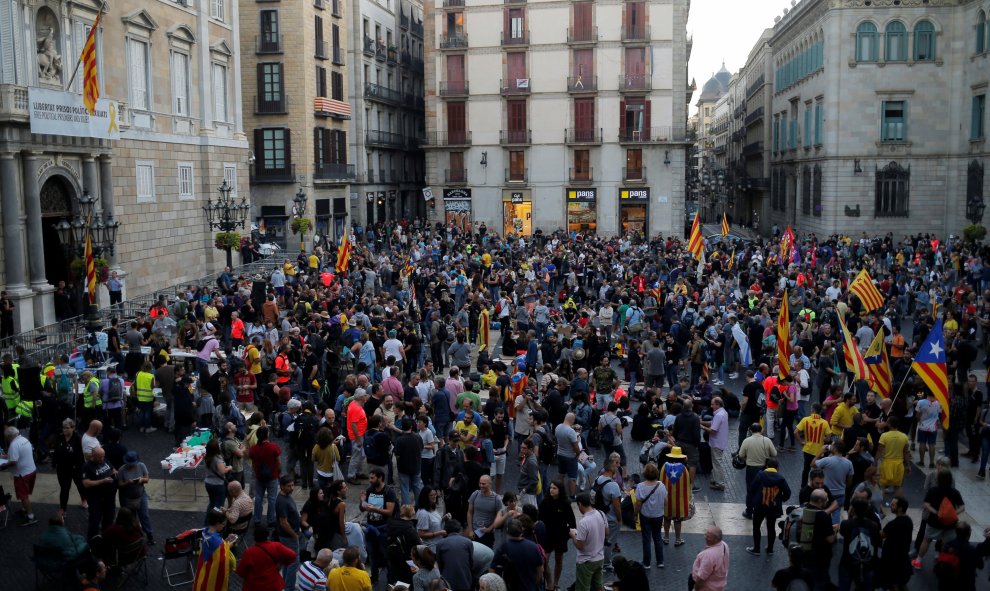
930 365
732 260
725 225
91 82
867 293
696 244
784 338
343 254
90 269
876 357
854 359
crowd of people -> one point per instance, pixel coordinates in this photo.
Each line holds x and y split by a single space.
382 372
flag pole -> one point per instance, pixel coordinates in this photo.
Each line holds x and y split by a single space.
75 70
894 399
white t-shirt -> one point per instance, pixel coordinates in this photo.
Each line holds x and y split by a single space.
89 443
20 451
393 348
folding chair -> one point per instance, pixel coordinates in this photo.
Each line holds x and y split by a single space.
131 559
181 547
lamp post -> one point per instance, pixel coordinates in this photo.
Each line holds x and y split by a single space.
102 231
299 212
225 214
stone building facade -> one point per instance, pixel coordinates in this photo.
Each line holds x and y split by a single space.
558 114
171 72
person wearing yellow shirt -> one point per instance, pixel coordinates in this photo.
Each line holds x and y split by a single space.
314 263
468 430
488 378
811 432
210 312
289 269
842 416
351 576
894 457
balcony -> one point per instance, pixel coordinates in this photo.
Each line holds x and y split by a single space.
753 149
384 139
582 176
652 135
515 1
455 176
403 19
580 84
268 44
14 103
517 176
515 137
261 176
338 56
405 58
634 175
369 46
417 29
392 55
635 34
334 172
453 3
322 51
321 4
380 52
382 93
278 105
582 136
454 41
521 38
369 177
755 116
448 138
454 88
578 36
327 107
635 83
514 86
418 65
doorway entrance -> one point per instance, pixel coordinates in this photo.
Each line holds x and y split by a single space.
56 205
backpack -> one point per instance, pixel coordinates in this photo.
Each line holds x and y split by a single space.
115 392
860 549
442 333
947 566
594 436
608 434
304 433
807 534
548 447
761 402
63 386
775 395
448 331
947 514
598 495
372 450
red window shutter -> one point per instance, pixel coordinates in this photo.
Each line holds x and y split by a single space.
646 119
516 66
622 116
584 63
584 115
506 27
582 18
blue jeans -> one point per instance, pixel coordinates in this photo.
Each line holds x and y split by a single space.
217 494
984 453
145 412
410 484
289 571
650 530
847 581
260 488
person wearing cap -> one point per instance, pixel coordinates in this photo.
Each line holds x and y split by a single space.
131 480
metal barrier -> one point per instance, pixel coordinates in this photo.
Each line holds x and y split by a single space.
62 338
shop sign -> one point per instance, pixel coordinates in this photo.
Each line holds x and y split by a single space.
457 205
582 194
427 193
457 194
517 197
634 194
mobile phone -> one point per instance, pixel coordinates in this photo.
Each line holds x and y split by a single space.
410 563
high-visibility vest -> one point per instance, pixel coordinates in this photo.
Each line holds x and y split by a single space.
89 400
47 373
143 386
25 408
11 388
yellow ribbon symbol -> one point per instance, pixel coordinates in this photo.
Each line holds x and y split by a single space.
113 120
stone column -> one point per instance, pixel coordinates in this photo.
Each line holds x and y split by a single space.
44 303
235 98
13 244
106 204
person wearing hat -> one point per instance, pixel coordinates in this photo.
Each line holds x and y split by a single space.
676 478
131 480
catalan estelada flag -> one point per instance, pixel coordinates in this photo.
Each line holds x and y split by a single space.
214 565
410 266
657 293
725 225
854 359
930 365
90 269
867 293
786 243
732 260
876 357
343 254
784 338
91 82
696 244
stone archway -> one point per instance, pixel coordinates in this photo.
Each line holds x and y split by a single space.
56 198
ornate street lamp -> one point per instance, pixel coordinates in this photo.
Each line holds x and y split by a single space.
225 214
974 209
299 213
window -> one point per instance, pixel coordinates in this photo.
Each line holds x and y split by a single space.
974 181
186 180
893 124
892 191
457 171
793 140
456 123
515 21
634 164
274 149
776 134
336 86
896 38
516 111
230 175
977 126
582 165
220 112
924 42
816 192
270 81
866 42
335 38
321 49
270 37
216 9
806 132
806 190
321 81
140 79
819 122
981 32
145 180
517 165
180 84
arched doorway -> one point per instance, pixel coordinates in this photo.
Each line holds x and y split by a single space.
56 204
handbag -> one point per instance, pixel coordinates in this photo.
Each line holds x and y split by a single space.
737 462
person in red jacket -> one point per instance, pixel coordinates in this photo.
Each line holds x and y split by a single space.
261 566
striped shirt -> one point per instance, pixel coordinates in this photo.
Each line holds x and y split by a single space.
310 577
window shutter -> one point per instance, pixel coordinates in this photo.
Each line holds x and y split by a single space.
622 114
259 149
646 116
260 77
318 156
288 150
342 146
139 80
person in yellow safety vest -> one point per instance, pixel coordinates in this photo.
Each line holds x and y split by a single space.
91 399
25 408
10 386
144 385
47 373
